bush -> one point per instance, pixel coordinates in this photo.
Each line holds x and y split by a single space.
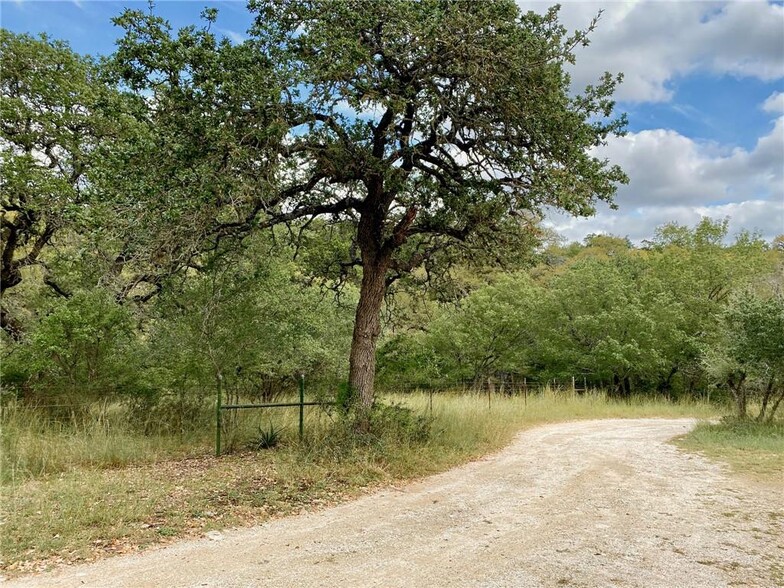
395 421
82 351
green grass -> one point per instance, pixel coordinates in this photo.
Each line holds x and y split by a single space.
750 448
81 492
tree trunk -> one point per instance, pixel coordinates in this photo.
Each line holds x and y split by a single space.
765 400
738 389
665 386
367 327
10 325
377 249
741 405
775 406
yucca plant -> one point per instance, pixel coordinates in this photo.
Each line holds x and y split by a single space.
266 438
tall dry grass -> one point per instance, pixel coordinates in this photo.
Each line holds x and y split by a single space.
35 445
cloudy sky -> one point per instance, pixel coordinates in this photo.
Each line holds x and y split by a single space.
703 89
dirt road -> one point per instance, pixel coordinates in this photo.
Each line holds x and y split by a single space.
598 503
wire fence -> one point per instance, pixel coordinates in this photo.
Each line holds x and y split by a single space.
509 385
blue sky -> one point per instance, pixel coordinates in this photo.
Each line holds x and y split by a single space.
703 89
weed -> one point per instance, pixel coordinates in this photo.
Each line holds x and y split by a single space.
265 438
400 422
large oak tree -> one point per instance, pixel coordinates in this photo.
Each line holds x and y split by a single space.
426 124
55 115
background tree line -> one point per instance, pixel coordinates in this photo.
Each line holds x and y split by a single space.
686 315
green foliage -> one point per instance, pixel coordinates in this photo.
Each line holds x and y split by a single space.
14 375
251 323
410 360
637 319
54 109
492 330
84 349
387 118
387 424
59 118
344 398
195 162
757 327
747 352
416 139
626 319
265 438
399 423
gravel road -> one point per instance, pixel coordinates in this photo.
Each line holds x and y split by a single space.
597 503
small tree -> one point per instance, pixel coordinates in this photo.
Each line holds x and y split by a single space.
748 356
491 330
83 350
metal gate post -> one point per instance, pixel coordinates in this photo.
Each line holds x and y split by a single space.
218 415
301 406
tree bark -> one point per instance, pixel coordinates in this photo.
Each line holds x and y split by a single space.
377 249
367 328
738 389
367 324
775 406
765 400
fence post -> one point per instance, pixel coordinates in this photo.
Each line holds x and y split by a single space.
574 390
301 406
218 402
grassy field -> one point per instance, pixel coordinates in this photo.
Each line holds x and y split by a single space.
752 449
81 492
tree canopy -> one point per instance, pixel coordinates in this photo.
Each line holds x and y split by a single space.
57 116
427 125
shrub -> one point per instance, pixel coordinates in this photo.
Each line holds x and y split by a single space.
399 422
82 351
266 438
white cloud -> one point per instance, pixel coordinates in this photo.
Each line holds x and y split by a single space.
765 217
774 103
668 168
674 178
664 167
652 43
745 39
234 36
